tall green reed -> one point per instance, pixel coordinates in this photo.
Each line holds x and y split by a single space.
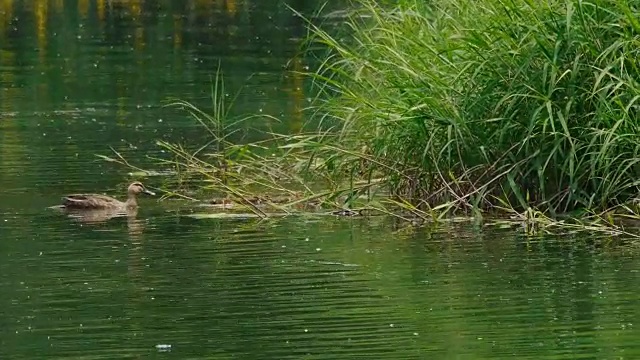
486 103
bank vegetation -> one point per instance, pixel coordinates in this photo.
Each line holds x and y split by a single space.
431 109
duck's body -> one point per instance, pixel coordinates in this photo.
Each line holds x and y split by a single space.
98 201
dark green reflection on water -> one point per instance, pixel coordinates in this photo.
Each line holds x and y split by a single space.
315 288
77 77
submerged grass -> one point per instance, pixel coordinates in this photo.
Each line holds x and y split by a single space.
523 108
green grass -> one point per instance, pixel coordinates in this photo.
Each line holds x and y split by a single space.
525 104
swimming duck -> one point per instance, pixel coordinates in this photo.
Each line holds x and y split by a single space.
97 201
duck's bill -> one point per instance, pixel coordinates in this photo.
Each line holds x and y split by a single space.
149 192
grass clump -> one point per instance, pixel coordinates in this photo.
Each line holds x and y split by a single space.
492 103
529 108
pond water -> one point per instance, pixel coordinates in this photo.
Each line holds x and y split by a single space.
79 77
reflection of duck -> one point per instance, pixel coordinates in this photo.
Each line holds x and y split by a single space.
99 216
95 216
103 202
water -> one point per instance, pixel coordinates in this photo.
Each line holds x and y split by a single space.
78 77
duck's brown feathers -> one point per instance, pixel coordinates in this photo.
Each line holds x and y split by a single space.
91 201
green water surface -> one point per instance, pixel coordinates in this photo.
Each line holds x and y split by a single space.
79 77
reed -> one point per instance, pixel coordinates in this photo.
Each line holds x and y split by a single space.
492 102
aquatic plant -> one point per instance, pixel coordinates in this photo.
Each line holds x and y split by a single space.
524 104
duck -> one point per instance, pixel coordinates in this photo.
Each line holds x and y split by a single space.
103 202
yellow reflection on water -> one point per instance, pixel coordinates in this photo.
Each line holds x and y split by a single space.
7 61
139 43
83 8
6 13
41 14
12 153
177 31
100 8
231 7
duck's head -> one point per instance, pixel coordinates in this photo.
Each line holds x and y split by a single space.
137 188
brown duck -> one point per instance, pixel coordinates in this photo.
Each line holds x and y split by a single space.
97 201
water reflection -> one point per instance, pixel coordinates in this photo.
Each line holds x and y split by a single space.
145 50
79 77
291 288
101 216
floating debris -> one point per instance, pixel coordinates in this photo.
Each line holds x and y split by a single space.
163 347
347 212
